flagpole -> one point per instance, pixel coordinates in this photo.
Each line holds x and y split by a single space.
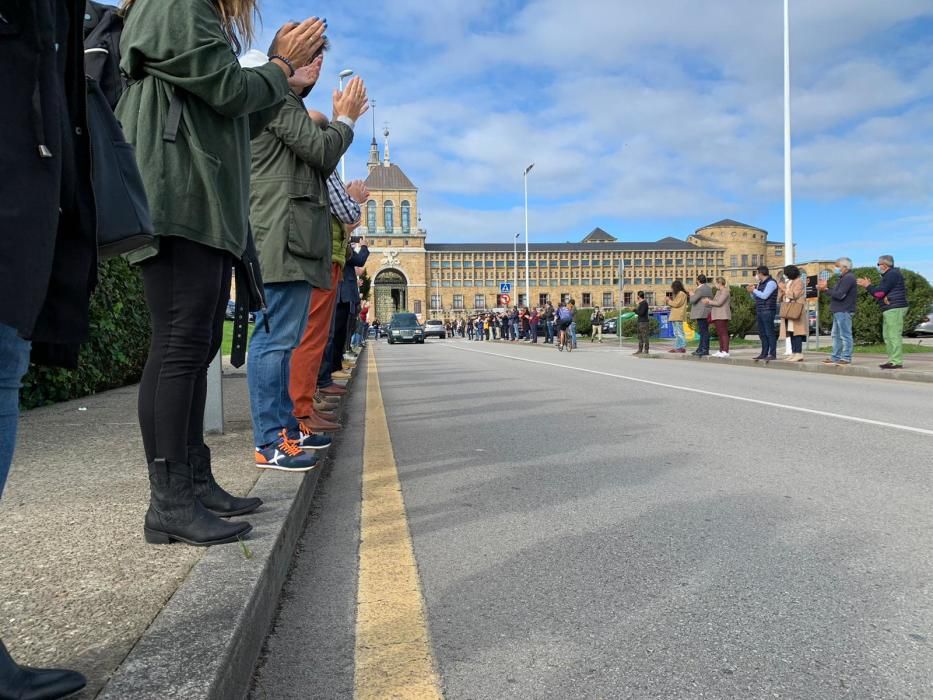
788 184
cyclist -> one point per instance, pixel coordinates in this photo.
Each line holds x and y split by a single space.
564 319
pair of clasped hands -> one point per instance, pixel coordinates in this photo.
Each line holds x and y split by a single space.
297 51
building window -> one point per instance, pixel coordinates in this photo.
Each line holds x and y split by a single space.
457 264
565 297
435 301
371 215
679 263
435 264
417 306
607 298
574 263
458 302
647 263
754 260
490 283
406 217
478 263
637 262
553 263
479 301
500 263
669 262
388 214
627 299
638 280
586 263
744 261
564 282
458 283
586 282
607 281
779 251
733 261
489 263
445 283
565 263
574 283
658 280
587 299
542 299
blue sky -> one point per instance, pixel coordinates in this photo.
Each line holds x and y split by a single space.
648 118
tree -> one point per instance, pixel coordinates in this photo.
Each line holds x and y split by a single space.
365 285
867 324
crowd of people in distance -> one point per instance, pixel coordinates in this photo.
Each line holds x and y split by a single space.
781 310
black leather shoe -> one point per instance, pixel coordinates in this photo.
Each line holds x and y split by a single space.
25 683
175 515
209 492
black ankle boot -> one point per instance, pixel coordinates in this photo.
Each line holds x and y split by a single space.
25 683
209 492
175 515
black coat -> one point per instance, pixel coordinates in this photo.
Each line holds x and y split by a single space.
48 250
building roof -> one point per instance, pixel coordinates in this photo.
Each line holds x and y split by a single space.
388 177
597 235
732 222
663 244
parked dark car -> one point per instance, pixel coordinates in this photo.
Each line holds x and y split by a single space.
609 325
404 328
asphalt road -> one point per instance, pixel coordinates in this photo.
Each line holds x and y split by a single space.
597 526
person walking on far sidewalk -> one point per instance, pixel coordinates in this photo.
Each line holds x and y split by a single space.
795 326
644 325
596 320
842 299
677 299
720 308
765 294
891 295
699 312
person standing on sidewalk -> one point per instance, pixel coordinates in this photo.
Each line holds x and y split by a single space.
720 307
48 242
794 292
765 294
197 181
677 300
842 300
699 312
292 155
533 324
596 321
549 323
891 295
644 325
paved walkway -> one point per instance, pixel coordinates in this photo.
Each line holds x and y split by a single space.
80 585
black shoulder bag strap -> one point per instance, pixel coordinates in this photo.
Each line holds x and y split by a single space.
170 133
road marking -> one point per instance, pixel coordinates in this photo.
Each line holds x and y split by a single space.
705 392
393 650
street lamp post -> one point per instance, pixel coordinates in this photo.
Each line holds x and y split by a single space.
527 276
788 185
343 159
515 255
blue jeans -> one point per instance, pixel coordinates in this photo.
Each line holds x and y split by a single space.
680 340
573 335
549 327
270 356
767 333
842 336
703 330
14 361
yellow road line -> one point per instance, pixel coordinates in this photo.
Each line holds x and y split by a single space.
393 649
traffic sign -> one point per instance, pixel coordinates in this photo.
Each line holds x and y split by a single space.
505 287
505 299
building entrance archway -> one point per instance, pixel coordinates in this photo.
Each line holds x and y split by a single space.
390 290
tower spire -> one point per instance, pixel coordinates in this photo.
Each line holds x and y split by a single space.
385 155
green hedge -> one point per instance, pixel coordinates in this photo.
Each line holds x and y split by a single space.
866 326
116 351
630 327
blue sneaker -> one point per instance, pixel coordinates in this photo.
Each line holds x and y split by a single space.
285 455
309 441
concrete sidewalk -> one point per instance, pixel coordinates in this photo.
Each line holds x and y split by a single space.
81 587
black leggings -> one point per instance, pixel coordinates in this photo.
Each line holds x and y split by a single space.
796 343
187 286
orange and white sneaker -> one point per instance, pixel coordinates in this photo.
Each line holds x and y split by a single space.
285 455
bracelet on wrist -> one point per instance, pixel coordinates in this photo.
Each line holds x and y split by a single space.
284 60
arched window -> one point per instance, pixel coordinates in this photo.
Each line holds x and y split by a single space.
406 217
388 214
371 215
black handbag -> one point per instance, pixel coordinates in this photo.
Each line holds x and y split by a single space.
123 221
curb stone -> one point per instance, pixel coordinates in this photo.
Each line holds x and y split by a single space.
205 642
904 375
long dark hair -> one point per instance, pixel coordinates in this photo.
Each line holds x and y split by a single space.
678 287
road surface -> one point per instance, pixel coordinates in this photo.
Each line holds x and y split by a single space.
593 525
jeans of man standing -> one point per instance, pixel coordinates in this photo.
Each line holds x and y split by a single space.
573 335
842 336
767 333
269 359
893 332
549 332
703 329
14 361
680 340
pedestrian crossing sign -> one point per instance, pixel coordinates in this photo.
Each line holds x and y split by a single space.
505 287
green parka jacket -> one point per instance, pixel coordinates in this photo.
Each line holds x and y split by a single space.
290 210
198 186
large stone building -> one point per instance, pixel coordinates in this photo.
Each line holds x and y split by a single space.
446 280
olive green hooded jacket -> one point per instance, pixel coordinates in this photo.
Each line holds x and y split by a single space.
290 210
198 186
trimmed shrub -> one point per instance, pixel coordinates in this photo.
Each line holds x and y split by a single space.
867 324
116 351
630 327
582 318
743 313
